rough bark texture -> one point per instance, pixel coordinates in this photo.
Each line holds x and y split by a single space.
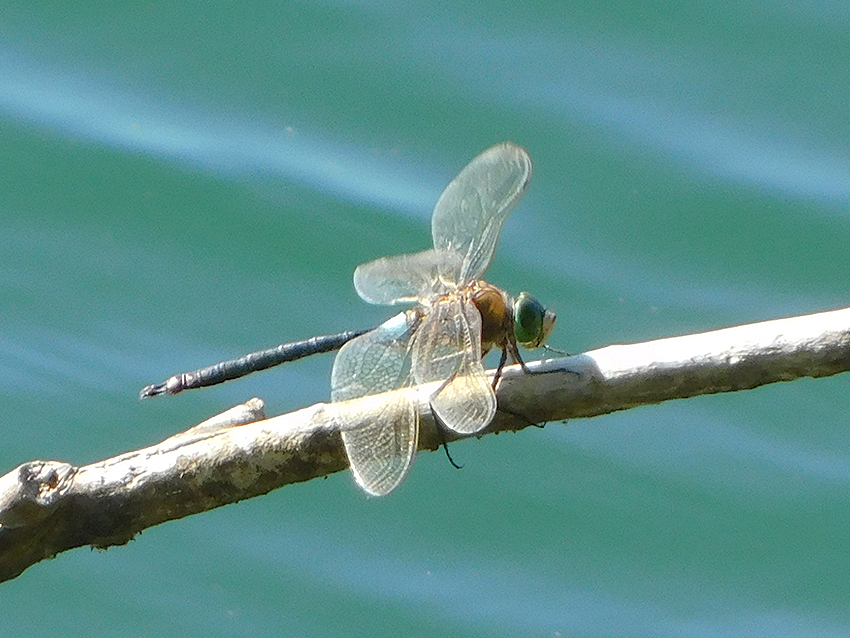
47 507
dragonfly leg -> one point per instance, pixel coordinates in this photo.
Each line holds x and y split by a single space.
513 350
502 360
549 348
522 417
510 350
441 432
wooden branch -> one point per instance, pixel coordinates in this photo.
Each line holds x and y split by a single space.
47 507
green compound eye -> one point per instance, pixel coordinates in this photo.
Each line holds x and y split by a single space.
532 322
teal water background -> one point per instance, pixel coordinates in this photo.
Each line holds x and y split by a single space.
182 182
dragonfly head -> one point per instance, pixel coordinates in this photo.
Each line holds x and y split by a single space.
532 322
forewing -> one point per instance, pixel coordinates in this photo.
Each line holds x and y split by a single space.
448 349
469 214
380 450
403 278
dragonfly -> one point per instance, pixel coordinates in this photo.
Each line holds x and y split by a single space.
456 320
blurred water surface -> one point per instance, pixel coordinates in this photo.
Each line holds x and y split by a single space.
183 182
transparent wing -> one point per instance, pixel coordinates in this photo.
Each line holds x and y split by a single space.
380 450
448 348
404 278
374 362
470 212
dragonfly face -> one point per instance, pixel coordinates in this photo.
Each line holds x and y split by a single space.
457 319
532 322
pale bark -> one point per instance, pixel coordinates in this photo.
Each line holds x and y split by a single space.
47 507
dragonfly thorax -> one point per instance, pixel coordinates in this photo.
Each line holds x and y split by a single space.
496 320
